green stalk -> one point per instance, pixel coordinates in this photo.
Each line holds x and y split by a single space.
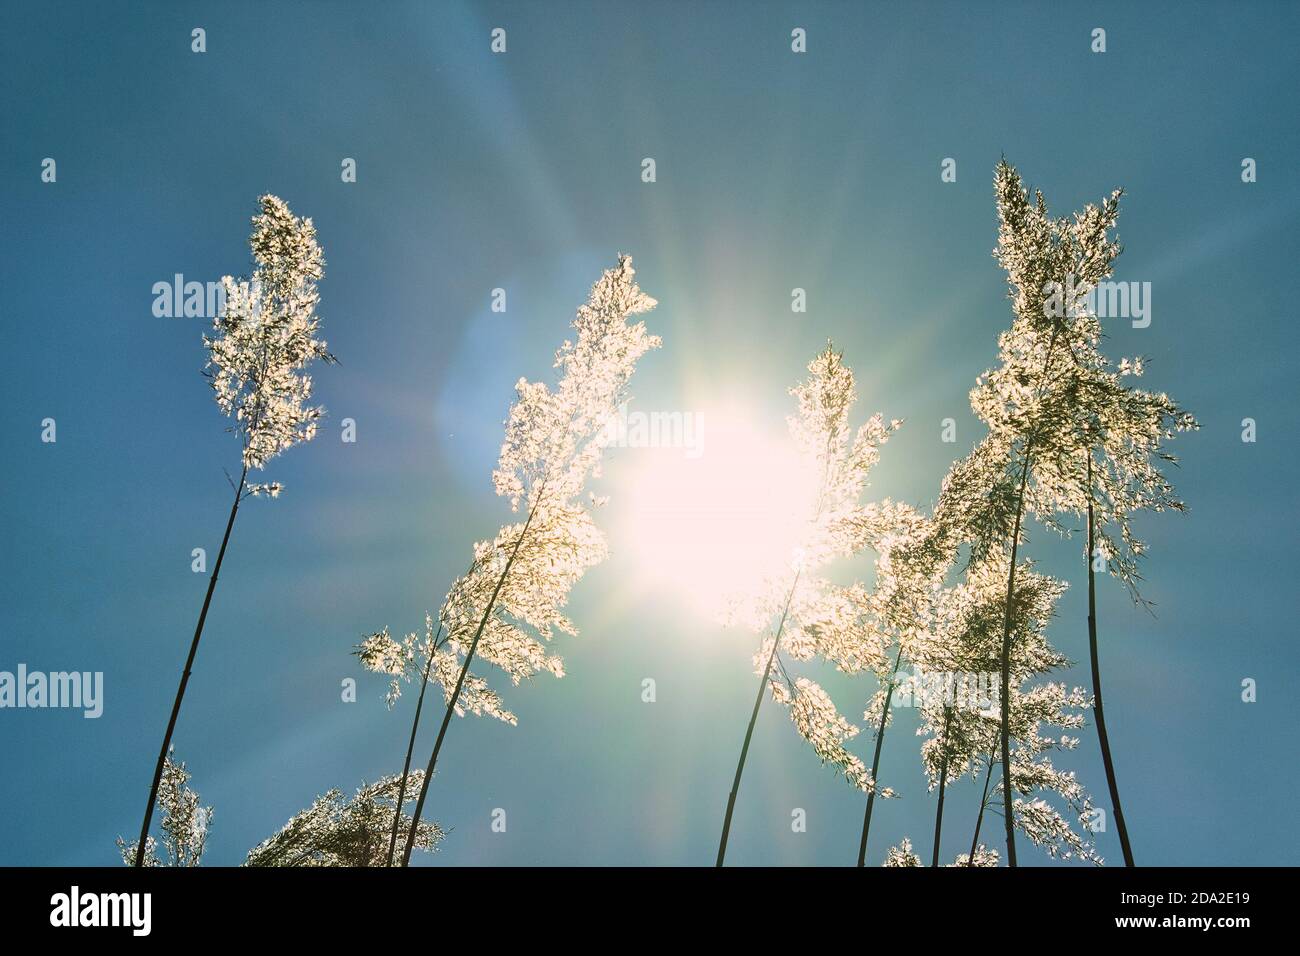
943 780
185 675
1008 813
1102 737
749 731
979 819
875 760
460 682
410 746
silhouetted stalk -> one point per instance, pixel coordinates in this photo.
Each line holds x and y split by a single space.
185 674
406 767
875 760
943 781
1006 670
753 717
979 819
1102 738
460 682
1006 630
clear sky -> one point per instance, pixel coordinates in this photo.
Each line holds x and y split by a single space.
523 171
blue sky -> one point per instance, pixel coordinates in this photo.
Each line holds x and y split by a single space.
522 171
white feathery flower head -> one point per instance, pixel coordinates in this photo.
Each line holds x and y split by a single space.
818 620
512 598
902 855
184 825
266 337
353 832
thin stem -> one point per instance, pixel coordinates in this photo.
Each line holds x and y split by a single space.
979 819
749 731
185 674
460 681
1006 670
943 780
1008 815
776 643
875 761
1102 737
410 747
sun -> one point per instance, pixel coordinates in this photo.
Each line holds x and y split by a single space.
704 525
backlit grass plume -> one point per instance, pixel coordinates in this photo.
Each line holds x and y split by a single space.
963 724
1077 439
261 345
913 557
902 855
1027 402
335 831
427 660
507 607
810 617
185 824
979 856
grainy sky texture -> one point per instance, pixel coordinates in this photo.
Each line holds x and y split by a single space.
522 171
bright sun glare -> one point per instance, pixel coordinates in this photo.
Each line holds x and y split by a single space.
708 528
